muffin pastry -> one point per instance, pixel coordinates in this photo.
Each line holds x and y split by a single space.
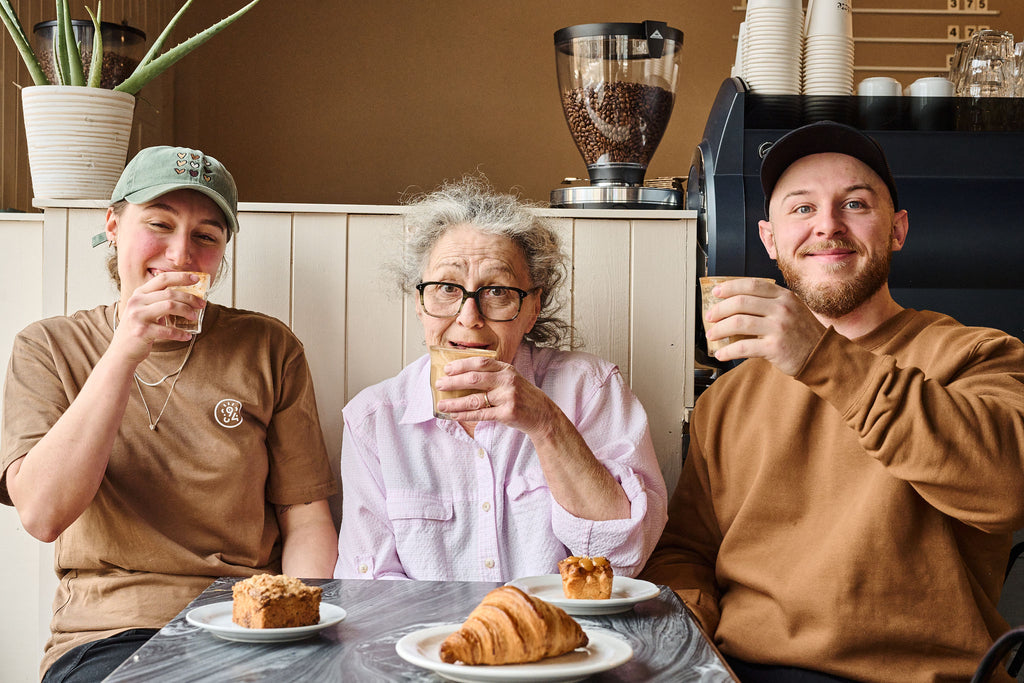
267 601
586 578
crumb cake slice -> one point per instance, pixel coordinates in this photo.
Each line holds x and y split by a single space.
268 601
586 578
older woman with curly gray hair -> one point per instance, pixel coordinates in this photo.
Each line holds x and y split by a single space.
548 456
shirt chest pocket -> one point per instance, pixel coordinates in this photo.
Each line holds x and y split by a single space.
522 485
418 507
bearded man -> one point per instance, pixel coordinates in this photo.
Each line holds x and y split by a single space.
848 500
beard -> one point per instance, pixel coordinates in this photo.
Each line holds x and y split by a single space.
835 299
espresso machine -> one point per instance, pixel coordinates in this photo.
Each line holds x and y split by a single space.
617 83
958 172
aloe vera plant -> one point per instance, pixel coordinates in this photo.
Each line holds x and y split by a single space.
69 58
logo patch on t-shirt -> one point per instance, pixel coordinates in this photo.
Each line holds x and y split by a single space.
228 413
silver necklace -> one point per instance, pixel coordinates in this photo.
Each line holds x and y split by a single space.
139 382
165 377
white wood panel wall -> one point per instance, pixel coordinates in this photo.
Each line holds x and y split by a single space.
26 572
321 270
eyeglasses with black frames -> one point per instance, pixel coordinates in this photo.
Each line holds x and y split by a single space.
496 303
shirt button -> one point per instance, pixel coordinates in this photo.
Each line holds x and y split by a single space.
487 507
363 569
480 452
489 564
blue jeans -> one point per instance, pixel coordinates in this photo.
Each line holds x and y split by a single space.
92 662
763 673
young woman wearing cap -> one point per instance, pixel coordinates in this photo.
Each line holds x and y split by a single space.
156 459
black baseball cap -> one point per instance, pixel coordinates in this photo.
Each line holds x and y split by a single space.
819 138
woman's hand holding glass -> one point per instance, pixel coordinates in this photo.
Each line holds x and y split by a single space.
503 395
577 481
143 320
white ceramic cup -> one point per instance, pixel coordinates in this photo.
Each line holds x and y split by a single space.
880 86
933 86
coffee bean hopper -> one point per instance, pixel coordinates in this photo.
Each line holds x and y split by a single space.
123 48
618 83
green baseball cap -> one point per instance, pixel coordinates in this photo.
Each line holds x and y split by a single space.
155 171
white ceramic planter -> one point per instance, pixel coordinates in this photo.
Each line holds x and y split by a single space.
77 139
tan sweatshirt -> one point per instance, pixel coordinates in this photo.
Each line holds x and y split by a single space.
857 518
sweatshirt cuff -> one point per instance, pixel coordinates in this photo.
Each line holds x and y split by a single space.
839 371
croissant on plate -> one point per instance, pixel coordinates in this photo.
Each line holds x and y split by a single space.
511 627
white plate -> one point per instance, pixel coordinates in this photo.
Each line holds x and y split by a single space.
604 651
626 592
216 618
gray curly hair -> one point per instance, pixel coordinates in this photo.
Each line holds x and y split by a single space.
471 201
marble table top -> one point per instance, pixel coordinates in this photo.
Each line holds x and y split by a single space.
667 644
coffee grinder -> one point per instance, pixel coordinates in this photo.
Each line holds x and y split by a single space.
618 83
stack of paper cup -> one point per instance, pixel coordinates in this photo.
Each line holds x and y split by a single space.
771 46
737 64
828 48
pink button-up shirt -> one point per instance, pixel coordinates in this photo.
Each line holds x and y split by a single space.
424 500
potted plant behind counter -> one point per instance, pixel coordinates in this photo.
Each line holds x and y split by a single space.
77 132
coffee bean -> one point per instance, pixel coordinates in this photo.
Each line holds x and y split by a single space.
114 70
618 122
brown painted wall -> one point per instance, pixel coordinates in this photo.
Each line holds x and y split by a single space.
340 101
370 99
362 103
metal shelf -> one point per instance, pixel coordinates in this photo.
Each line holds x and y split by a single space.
897 10
906 69
946 12
930 41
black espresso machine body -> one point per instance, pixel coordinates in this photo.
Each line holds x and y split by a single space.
959 170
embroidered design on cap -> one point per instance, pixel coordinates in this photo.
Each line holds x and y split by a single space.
190 162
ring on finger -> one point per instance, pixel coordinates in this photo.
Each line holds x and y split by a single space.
487 401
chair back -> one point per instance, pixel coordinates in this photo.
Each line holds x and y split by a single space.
1016 551
993 659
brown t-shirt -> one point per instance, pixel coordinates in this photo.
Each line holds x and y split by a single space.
188 502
